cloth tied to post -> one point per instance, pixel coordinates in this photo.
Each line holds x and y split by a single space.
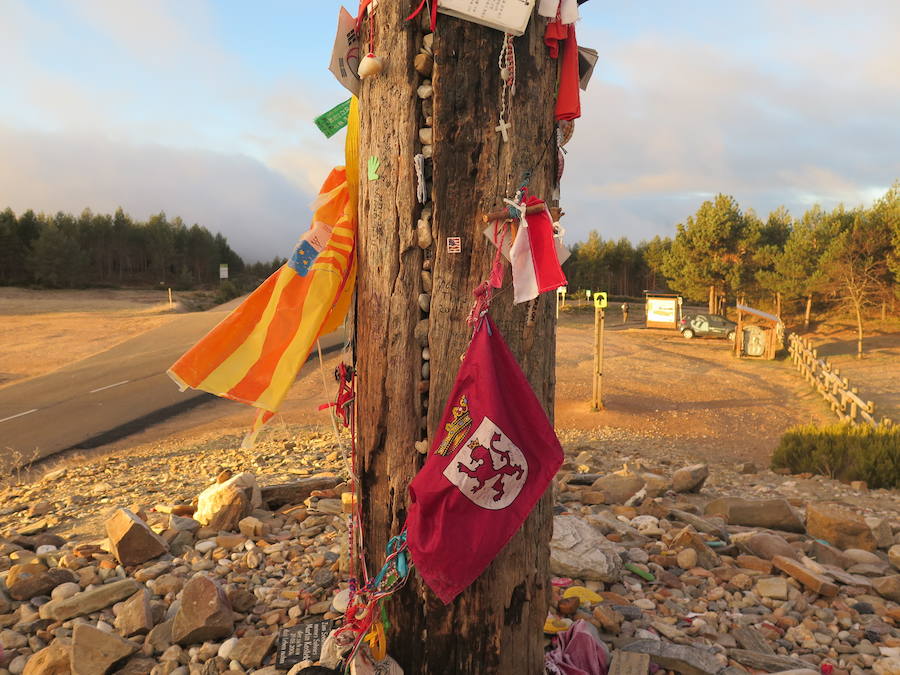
492 458
253 355
535 256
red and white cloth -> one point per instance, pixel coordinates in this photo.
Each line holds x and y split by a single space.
535 260
494 455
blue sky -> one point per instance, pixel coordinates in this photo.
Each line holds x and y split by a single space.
204 109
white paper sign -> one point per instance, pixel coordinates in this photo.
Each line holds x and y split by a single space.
662 310
510 16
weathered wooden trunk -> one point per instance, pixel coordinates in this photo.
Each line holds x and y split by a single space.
494 626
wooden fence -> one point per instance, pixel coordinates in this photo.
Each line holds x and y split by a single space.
826 379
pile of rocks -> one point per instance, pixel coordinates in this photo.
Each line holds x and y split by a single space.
180 588
705 582
697 568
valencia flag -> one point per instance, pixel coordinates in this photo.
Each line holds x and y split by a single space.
254 354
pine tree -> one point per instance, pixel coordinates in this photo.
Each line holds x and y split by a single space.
709 254
57 260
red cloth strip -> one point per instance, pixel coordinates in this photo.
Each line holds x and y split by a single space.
418 10
361 13
568 99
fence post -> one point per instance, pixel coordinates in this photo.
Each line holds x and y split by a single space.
823 377
599 315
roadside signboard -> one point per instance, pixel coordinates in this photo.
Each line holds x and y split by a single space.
663 311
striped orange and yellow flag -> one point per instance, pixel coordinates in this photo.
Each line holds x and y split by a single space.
254 354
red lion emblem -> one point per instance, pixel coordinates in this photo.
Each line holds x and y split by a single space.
485 470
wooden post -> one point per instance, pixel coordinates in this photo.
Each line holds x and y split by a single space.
599 320
414 293
170 298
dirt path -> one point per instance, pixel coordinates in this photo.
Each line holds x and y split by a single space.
662 394
659 384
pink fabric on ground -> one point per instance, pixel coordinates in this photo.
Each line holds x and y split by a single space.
578 651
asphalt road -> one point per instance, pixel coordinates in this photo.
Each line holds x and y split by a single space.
107 396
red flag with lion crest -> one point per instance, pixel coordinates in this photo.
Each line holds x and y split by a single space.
492 458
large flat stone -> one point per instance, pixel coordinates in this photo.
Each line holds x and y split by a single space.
771 663
812 580
580 551
767 546
773 514
690 478
250 651
89 601
295 492
618 488
839 527
680 658
888 587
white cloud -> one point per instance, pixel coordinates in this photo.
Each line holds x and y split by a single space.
792 103
260 212
294 146
668 119
161 34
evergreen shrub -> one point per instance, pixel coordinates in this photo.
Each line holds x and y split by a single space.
843 451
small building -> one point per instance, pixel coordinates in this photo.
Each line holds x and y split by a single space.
663 309
758 334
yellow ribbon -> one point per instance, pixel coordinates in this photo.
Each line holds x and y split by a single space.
377 641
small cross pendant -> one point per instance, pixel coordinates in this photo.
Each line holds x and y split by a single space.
502 128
